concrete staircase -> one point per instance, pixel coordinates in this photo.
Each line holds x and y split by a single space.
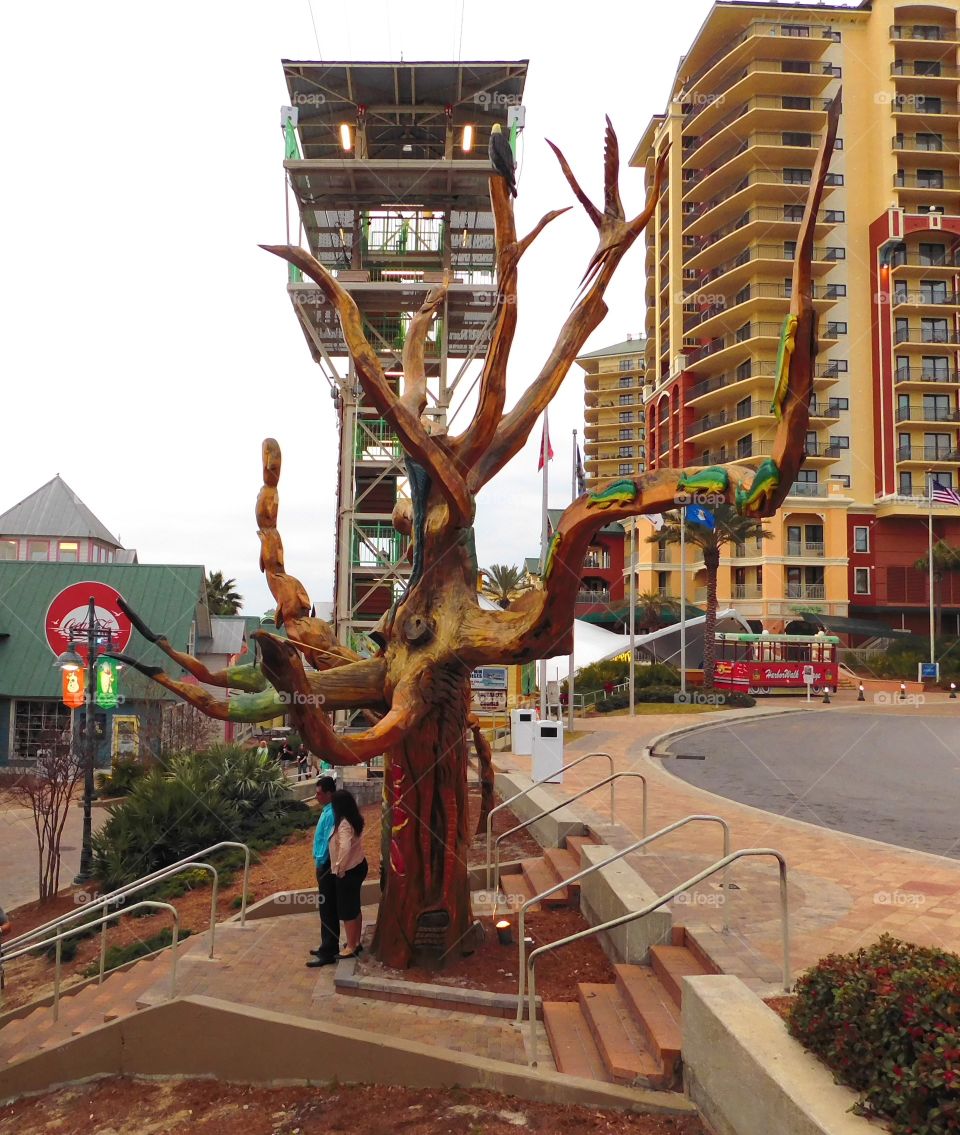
83 1010
627 1032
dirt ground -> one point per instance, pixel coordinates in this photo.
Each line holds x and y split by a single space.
286 867
206 1107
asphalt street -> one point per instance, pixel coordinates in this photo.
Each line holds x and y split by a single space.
888 777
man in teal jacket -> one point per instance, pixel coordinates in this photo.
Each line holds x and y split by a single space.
326 955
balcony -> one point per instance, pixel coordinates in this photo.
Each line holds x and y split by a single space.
826 371
919 413
746 591
762 107
805 591
921 335
920 374
925 33
824 254
729 417
925 298
758 149
808 489
923 69
746 551
759 185
925 183
906 260
589 597
804 548
770 221
744 335
925 144
749 298
938 454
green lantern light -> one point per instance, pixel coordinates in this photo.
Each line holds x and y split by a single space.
106 683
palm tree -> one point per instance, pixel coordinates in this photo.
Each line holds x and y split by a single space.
945 558
222 599
652 609
503 583
729 528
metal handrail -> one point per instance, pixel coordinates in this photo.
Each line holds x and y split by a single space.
138 885
536 784
555 808
61 934
596 867
625 918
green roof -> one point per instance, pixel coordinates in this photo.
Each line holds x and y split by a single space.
164 596
634 346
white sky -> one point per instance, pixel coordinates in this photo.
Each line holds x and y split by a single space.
144 167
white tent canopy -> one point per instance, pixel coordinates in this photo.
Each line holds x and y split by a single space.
594 644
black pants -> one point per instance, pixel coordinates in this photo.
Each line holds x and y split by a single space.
329 918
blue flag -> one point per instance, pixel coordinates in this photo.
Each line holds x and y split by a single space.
697 514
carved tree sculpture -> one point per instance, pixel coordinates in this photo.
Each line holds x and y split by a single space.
415 690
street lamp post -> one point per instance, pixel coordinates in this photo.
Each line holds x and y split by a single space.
95 634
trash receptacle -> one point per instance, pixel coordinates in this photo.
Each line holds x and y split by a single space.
548 751
522 722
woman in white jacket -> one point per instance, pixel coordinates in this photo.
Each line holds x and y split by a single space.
349 864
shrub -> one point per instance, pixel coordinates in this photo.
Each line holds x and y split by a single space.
121 779
886 1020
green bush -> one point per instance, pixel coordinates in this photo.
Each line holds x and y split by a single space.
120 955
121 779
656 674
886 1020
661 694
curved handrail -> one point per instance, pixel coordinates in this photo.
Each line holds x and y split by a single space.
61 934
596 867
648 909
536 784
555 808
139 885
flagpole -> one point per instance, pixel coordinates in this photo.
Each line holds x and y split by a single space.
930 559
570 669
683 600
544 528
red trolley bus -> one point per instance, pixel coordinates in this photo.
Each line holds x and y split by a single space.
767 663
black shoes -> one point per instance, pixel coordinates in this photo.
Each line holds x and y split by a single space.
321 960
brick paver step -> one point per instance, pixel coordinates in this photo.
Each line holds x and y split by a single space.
539 876
573 844
616 1034
672 964
563 864
689 939
654 1010
517 891
574 1050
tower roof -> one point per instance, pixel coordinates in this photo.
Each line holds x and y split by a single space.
54 510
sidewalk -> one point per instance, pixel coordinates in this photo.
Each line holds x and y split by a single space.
844 891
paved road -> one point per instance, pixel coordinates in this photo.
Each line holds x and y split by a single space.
18 853
883 775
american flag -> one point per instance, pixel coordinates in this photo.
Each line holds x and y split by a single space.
943 494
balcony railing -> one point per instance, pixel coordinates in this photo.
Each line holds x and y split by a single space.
756 177
926 143
746 551
586 597
922 69
762 28
759 102
920 299
755 291
808 489
746 591
928 453
600 563
901 259
726 417
762 369
921 334
806 591
804 548
920 374
752 141
904 180
927 32
770 252
914 413
759 213
924 106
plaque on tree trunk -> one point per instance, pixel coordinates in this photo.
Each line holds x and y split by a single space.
430 938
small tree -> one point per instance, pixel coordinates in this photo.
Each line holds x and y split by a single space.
503 583
46 790
653 610
945 558
730 527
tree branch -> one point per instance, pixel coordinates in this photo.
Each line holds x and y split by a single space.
616 237
409 429
493 379
414 397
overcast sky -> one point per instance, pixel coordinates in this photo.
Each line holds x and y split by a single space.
149 345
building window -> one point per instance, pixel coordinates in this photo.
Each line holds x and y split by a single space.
932 142
933 330
626 381
795 138
837 404
842 479
626 399
38 725
906 485
663 582
795 66
934 368
795 30
68 552
861 538
794 175
745 370
625 451
795 102
861 581
626 364
839 441
742 333
625 470
932 254
626 435
836 329
930 179
745 446
789 250
626 415
8 549
38 550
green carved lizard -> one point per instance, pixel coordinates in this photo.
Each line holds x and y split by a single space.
781 380
715 479
555 543
765 480
620 492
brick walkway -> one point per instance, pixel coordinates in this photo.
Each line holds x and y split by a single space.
844 891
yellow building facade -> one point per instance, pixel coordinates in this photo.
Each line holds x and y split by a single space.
615 431
743 122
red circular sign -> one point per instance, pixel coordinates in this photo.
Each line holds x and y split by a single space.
69 612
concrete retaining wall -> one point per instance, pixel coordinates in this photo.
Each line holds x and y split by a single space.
615 890
201 1036
745 1072
551 830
